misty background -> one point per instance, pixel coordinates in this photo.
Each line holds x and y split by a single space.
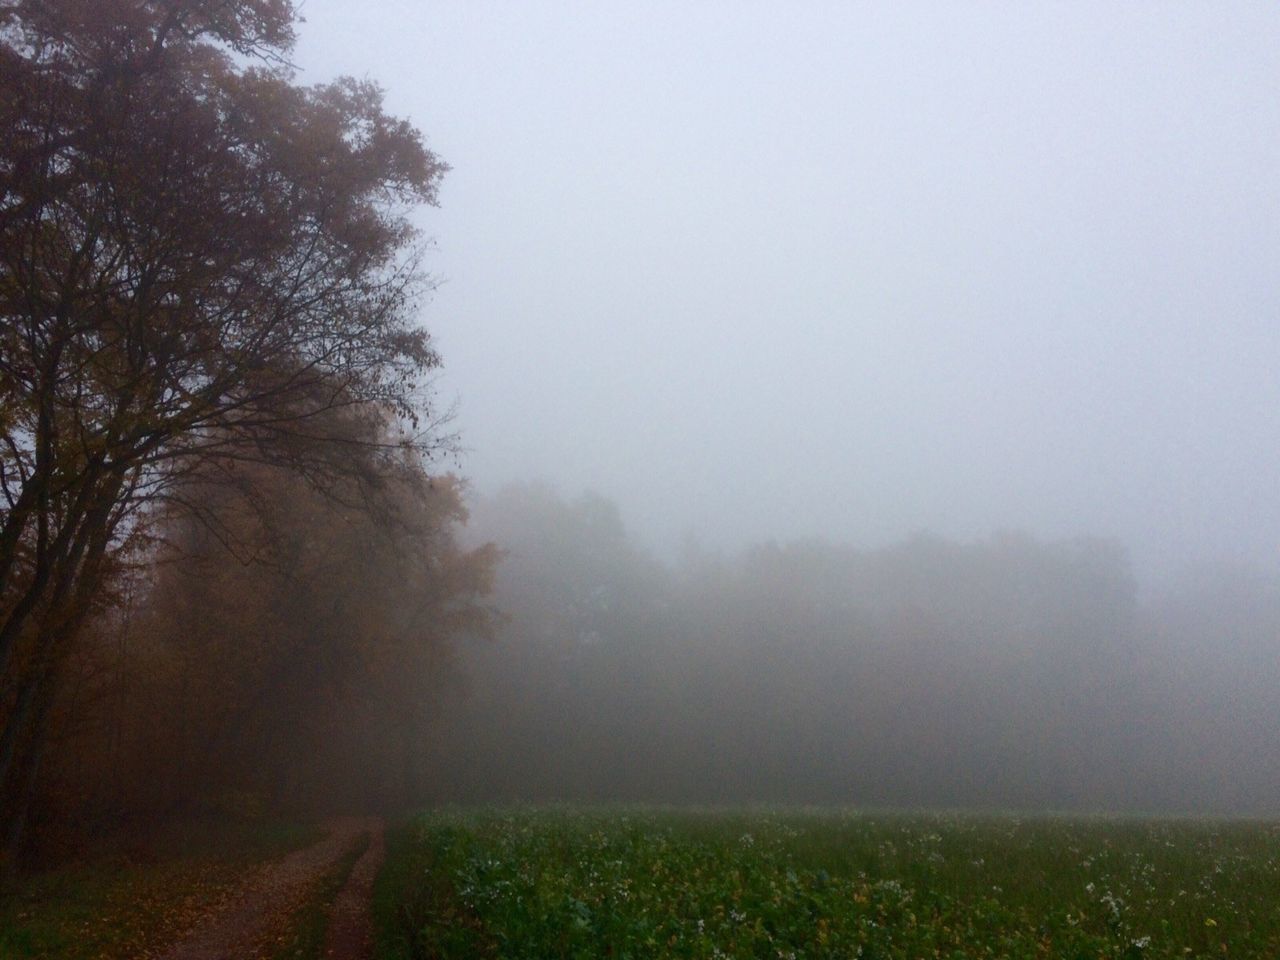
762 271
1010 673
858 403
872 402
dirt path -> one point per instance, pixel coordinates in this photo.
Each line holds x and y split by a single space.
240 929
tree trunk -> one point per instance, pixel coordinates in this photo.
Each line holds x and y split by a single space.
13 822
22 742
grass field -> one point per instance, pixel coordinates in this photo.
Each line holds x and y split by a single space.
638 884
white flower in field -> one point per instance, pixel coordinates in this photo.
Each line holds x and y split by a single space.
895 888
1113 903
747 840
1142 943
1088 887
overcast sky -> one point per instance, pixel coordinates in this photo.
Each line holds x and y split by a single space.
780 270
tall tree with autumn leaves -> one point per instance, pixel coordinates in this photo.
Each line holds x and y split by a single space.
202 264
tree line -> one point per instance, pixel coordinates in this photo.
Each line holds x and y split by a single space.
209 291
1009 673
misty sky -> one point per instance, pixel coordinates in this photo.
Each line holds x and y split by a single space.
779 270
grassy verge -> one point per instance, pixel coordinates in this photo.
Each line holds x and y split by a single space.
417 913
641 884
304 937
128 896
405 893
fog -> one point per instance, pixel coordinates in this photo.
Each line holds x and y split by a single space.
899 384
856 403
765 271
1010 673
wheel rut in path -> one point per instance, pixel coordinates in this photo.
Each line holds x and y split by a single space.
350 931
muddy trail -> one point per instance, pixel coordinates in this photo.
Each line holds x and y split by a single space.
250 924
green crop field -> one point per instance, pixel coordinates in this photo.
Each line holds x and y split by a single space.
642 883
